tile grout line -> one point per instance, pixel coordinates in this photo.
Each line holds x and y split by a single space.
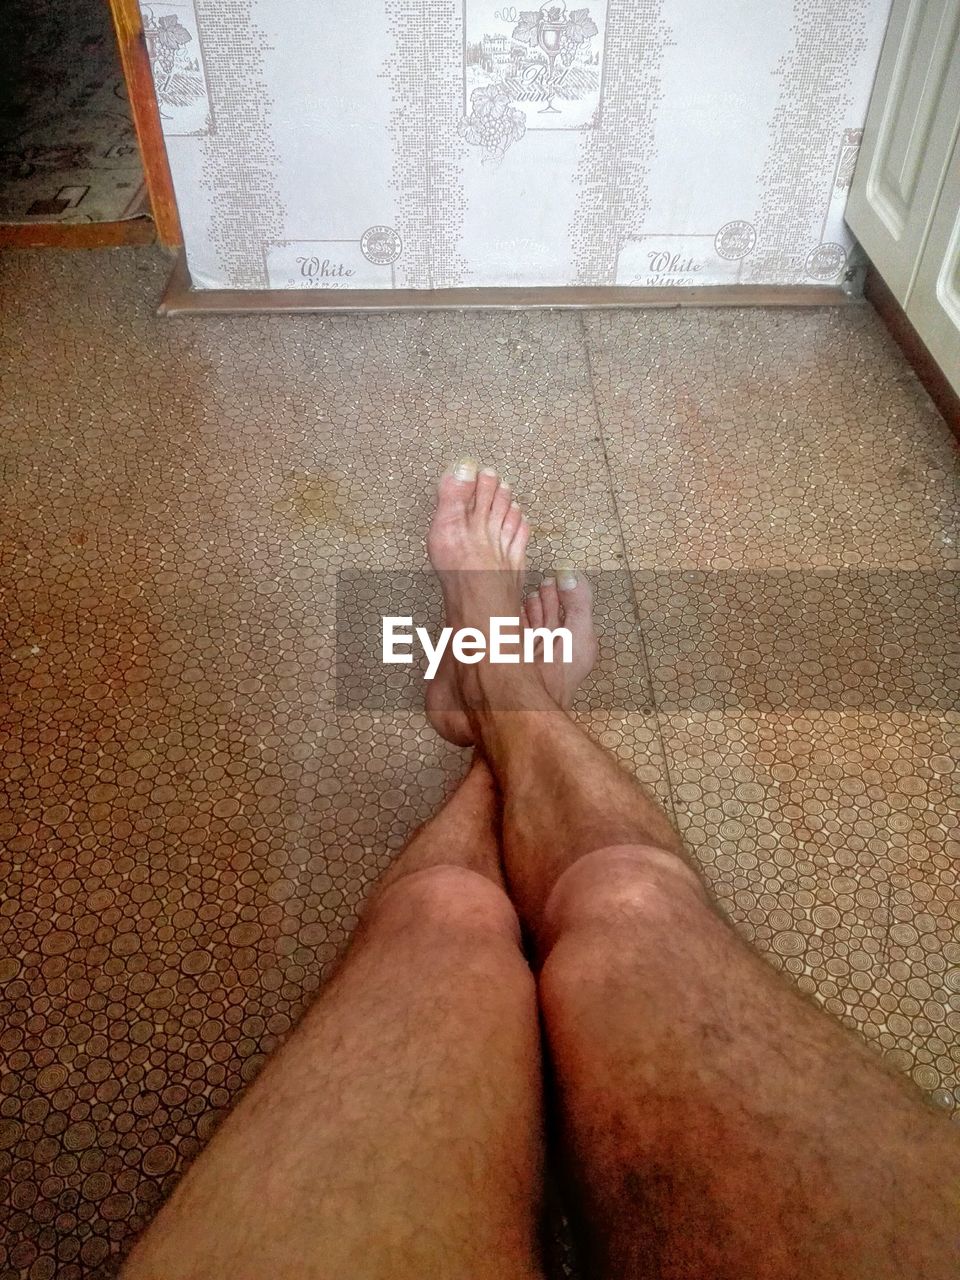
626 563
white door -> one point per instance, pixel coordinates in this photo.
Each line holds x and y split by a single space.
909 137
933 306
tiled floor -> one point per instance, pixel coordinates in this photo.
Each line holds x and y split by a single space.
190 815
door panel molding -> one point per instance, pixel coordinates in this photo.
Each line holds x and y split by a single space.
934 305
915 93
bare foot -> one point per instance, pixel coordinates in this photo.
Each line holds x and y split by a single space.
477 526
565 601
477 544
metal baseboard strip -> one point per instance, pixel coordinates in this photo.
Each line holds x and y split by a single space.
181 299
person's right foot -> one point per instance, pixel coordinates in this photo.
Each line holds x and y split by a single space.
477 543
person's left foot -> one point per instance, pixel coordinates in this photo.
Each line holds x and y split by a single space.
478 526
565 601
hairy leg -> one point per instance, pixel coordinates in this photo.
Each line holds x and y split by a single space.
397 1133
717 1124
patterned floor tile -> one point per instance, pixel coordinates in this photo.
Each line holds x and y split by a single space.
771 439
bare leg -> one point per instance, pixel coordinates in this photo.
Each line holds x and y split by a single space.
397 1134
717 1124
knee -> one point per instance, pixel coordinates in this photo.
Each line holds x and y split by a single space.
613 905
630 886
445 899
612 921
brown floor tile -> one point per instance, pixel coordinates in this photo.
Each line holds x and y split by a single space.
772 439
780 640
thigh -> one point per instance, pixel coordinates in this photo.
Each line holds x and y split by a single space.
718 1124
398 1132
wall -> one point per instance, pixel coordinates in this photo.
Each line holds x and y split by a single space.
429 143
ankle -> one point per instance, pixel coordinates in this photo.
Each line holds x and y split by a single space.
504 704
490 688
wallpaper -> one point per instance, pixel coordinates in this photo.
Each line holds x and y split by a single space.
428 144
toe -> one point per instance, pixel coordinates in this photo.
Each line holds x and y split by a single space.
518 543
576 594
498 510
456 488
550 601
511 523
534 610
486 489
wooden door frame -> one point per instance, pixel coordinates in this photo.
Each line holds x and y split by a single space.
163 225
142 93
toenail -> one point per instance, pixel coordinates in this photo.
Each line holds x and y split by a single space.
547 582
489 471
566 578
515 505
466 469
